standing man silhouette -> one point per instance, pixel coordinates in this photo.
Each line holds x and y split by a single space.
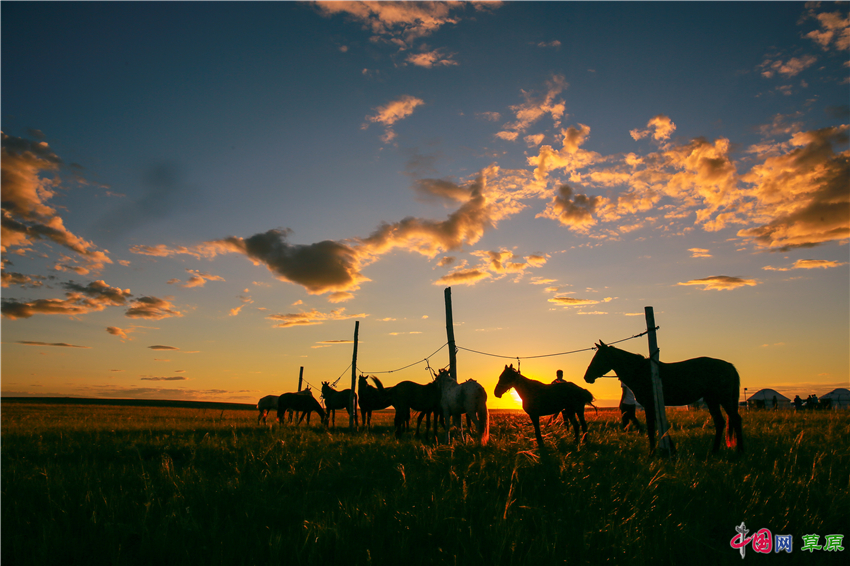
628 404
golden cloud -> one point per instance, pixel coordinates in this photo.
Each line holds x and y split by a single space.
152 308
312 317
24 165
721 283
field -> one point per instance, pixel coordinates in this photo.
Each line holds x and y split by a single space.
90 484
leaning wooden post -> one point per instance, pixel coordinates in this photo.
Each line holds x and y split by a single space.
352 406
664 440
450 333
300 378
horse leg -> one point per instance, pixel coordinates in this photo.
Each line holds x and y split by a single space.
574 422
650 427
535 420
421 416
719 423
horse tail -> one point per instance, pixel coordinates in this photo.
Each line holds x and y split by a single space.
594 407
484 423
378 383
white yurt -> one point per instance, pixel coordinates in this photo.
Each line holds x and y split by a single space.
840 398
765 398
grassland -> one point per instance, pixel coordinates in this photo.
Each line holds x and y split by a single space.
87 484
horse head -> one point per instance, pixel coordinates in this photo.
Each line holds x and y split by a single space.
600 364
506 380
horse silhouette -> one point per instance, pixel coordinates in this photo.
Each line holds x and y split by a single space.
269 403
716 381
543 399
456 399
408 395
338 400
303 402
372 398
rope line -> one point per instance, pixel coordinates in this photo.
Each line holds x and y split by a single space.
408 365
551 355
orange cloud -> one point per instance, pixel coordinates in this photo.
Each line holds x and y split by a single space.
152 308
391 113
808 264
802 197
536 107
570 158
27 216
312 317
463 277
197 279
721 282
573 211
834 28
80 299
660 127
120 332
573 302
401 23
429 59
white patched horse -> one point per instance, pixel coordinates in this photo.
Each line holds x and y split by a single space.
458 398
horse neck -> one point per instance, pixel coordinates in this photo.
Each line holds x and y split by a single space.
625 364
522 383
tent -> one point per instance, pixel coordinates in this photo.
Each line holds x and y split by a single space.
765 397
840 398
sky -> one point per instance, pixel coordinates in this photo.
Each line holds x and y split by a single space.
200 199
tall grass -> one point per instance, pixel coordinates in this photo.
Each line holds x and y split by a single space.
133 485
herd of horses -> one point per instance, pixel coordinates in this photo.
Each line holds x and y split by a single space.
715 381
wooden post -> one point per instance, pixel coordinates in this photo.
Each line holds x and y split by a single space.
300 378
661 427
450 333
352 406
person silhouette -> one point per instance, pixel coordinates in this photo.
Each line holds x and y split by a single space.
559 376
628 404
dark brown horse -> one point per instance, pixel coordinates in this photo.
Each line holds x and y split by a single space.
542 399
302 402
407 396
372 398
716 381
338 400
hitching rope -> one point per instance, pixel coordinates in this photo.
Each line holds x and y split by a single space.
408 365
550 355
517 358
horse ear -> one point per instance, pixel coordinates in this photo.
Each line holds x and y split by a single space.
602 344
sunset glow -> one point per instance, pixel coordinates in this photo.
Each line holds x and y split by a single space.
201 199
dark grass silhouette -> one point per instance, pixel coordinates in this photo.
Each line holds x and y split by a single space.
543 399
683 383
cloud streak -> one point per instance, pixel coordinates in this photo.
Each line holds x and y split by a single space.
721 283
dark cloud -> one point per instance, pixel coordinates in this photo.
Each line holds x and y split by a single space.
158 347
56 344
81 299
173 378
320 267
